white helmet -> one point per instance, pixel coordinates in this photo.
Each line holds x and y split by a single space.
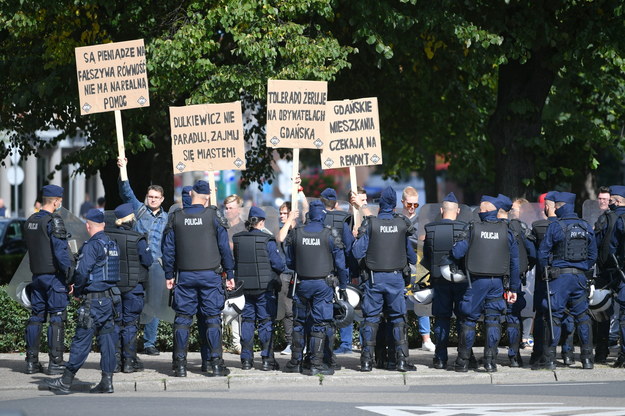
235 302
422 296
452 273
600 305
22 293
354 296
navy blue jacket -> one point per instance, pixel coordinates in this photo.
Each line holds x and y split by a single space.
460 249
169 250
60 248
90 253
276 261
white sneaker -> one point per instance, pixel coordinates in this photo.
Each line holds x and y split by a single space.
286 351
428 346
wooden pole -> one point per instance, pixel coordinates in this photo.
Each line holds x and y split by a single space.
121 152
354 186
211 184
294 173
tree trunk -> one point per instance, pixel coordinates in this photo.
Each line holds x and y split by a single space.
517 120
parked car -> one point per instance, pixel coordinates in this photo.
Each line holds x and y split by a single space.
12 246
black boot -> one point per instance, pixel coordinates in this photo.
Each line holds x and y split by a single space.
61 384
205 365
439 364
461 365
372 346
56 344
567 358
218 368
294 365
585 357
269 364
247 363
105 385
548 361
620 361
118 360
316 346
490 359
401 348
32 363
180 367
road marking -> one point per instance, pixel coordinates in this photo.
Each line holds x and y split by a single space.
548 384
525 409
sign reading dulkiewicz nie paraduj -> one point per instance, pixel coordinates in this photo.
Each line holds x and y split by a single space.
207 137
296 113
112 76
353 137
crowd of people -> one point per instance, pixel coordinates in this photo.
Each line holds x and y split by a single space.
306 275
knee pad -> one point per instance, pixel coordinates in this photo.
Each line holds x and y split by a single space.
184 326
58 316
213 321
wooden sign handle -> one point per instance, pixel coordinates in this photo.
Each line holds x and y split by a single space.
121 152
294 173
354 188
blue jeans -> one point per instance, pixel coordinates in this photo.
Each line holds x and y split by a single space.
149 333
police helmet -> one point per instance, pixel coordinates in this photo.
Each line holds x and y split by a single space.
235 302
22 293
354 296
452 273
600 305
343 313
423 296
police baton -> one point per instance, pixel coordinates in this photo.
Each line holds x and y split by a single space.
549 303
294 284
170 301
618 267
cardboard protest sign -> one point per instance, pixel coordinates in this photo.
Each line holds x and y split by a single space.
112 76
207 137
353 136
296 113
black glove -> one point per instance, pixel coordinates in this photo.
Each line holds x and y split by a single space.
343 294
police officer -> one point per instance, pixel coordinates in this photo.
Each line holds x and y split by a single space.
439 239
197 248
343 222
383 243
51 265
527 260
611 248
258 267
314 251
135 261
491 259
97 274
569 249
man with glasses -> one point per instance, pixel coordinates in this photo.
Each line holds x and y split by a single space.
151 220
410 202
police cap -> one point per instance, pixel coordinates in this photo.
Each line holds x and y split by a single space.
95 215
201 187
256 212
329 194
52 191
566 197
617 190
451 197
124 210
506 203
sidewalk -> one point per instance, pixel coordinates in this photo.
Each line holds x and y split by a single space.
158 376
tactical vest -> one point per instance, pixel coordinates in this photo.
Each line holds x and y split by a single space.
539 228
489 253
196 240
518 231
107 269
607 222
574 247
39 245
387 244
252 260
441 236
131 271
336 219
313 255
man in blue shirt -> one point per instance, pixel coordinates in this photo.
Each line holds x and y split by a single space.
51 264
151 220
97 274
197 248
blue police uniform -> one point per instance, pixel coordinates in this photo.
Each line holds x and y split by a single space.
616 248
198 290
137 260
151 224
260 305
49 286
570 250
95 279
485 292
439 238
384 291
313 296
